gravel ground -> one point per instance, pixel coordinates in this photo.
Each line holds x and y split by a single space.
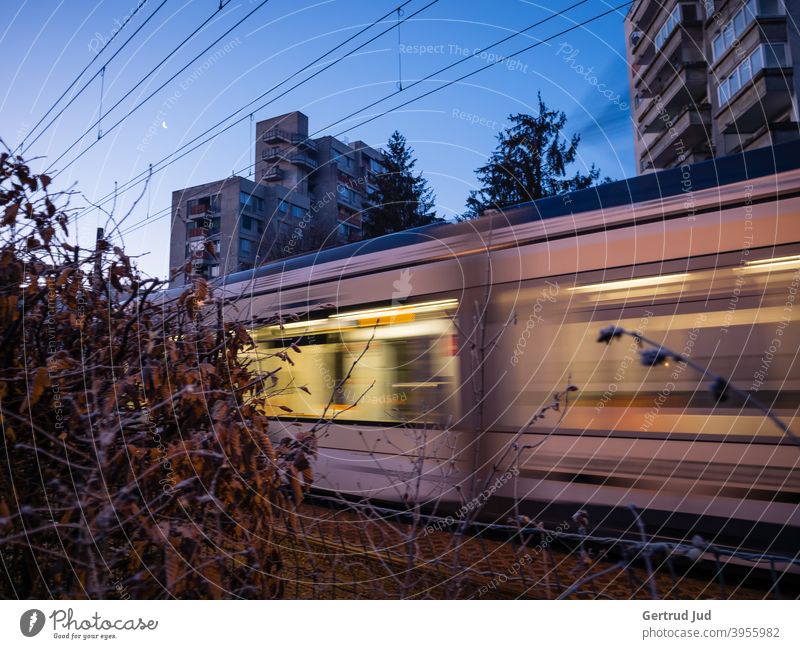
346 554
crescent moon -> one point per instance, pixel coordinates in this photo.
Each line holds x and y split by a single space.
163 125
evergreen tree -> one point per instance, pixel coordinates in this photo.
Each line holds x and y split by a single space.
402 198
529 162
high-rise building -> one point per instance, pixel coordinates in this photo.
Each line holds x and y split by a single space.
711 78
306 194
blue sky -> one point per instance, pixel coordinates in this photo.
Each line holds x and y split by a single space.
452 131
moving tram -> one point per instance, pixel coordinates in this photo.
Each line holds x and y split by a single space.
452 337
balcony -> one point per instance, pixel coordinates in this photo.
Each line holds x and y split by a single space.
756 91
200 210
273 173
274 154
690 133
302 161
757 103
683 48
200 256
349 229
275 135
348 199
301 141
197 233
643 13
687 89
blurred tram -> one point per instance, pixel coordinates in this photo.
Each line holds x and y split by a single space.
461 332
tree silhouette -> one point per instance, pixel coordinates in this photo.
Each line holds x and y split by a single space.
402 198
529 162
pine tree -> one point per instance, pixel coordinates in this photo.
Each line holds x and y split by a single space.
529 162
402 198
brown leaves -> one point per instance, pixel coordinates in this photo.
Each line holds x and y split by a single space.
63 276
10 214
125 446
171 568
5 514
41 380
9 311
294 481
211 573
200 289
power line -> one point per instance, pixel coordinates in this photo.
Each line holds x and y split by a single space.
146 99
577 25
467 57
474 72
82 72
130 184
172 158
501 59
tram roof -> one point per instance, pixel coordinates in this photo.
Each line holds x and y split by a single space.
716 172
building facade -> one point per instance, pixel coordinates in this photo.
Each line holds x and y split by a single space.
306 194
710 78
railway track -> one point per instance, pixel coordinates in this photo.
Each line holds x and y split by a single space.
342 554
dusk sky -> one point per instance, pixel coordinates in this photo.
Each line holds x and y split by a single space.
452 131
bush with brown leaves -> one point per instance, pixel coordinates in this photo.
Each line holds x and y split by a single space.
136 461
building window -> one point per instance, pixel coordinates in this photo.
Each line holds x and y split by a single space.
298 211
343 161
376 167
206 223
736 26
245 247
283 208
346 194
253 202
733 29
672 21
708 6
771 55
213 271
247 223
203 205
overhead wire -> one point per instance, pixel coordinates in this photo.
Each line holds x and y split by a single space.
449 83
474 72
576 25
172 158
82 72
199 28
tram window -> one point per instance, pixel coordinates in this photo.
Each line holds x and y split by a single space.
399 361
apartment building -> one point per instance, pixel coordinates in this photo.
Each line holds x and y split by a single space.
710 78
306 194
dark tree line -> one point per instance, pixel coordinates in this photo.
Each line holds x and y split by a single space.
533 159
402 197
